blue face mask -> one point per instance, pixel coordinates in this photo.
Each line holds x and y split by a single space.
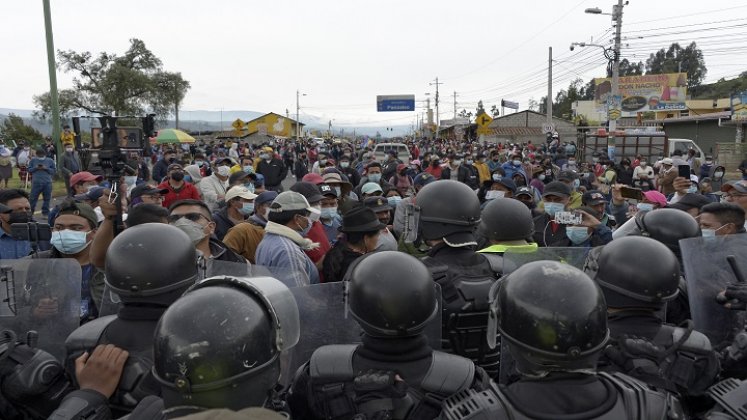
329 212
247 209
576 183
69 241
374 178
248 169
552 208
305 231
394 200
645 206
249 186
693 189
187 178
708 233
577 234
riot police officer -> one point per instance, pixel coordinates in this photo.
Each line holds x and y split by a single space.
147 280
667 226
552 317
449 215
394 373
678 360
209 355
506 224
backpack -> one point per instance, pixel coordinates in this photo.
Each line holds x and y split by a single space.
337 392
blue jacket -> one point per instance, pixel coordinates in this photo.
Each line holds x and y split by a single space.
286 261
42 175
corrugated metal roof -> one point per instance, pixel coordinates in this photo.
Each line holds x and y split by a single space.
518 131
698 117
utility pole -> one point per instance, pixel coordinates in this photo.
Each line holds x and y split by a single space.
455 106
437 114
53 94
548 102
617 14
298 119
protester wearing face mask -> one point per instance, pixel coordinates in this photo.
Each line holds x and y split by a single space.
14 208
71 165
193 218
387 241
503 187
244 238
361 229
177 188
160 169
282 248
373 174
590 232
43 169
719 219
316 233
213 188
572 180
239 205
72 232
272 168
345 169
643 176
330 217
548 233
538 179
621 210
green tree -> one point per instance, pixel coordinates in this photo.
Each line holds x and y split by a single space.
674 59
480 109
465 114
495 111
133 83
13 128
628 69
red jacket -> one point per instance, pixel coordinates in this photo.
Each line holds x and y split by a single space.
318 235
186 191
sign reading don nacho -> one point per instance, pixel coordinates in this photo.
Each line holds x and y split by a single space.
654 92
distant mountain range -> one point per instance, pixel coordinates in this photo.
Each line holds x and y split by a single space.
210 121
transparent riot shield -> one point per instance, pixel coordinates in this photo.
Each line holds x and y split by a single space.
324 321
707 271
568 255
41 295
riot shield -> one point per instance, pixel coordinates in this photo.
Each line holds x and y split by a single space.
707 272
324 321
569 255
41 295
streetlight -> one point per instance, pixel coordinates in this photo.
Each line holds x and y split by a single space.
617 13
298 119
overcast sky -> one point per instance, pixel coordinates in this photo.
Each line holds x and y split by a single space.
253 55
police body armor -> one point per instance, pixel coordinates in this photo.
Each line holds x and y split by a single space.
137 381
678 360
464 317
634 401
333 387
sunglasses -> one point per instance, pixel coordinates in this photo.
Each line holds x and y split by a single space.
189 216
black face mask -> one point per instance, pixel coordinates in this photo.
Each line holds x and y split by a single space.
177 176
19 217
171 160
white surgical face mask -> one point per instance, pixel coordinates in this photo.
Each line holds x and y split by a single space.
493 194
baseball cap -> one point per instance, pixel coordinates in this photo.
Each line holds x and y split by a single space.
666 161
84 176
327 190
690 201
308 190
377 204
239 191
507 182
558 189
174 167
260 181
237 176
223 160
313 178
740 186
371 187
567 175
92 195
265 197
524 191
593 197
423 179
289 201
79 209
145 189
656 197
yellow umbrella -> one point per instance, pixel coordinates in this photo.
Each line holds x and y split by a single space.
172 135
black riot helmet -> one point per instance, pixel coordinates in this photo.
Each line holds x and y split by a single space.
151 263
636 271
506 220
391 293
668 226
552 315
448 208
218 346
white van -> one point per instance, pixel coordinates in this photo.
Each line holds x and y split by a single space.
684 145
403 153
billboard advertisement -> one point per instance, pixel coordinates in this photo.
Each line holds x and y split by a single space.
652 92
739 106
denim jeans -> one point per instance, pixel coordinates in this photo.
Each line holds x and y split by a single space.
46 191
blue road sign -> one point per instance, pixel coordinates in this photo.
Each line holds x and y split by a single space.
391 103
